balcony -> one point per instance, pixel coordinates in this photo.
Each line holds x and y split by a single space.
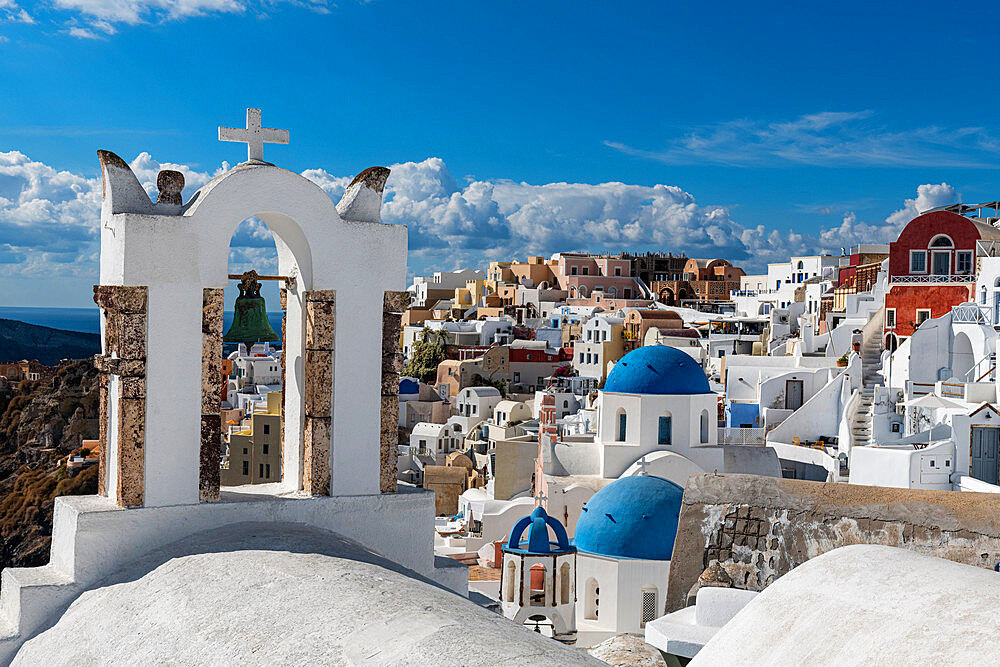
971 313
933 279
742 436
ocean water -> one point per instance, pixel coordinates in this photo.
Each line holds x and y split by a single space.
88 320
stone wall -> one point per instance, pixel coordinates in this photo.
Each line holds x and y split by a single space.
318 384
125 357
211 393
756 529
393 305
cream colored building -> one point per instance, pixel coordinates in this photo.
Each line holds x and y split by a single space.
255 453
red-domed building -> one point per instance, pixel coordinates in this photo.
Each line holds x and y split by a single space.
932 268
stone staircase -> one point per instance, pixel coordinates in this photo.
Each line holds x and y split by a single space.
871 364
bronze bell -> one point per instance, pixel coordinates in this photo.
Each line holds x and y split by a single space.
250 324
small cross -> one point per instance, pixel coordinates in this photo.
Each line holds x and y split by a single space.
540 498
642 463
254 136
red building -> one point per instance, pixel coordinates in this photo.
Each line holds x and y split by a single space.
932 268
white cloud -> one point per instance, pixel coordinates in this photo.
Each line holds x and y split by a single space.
831 139
49 219
4 39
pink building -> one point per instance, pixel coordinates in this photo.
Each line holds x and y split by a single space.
580 275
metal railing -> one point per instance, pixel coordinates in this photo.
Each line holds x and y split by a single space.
932 278
742 436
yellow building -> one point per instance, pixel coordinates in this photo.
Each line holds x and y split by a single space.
255 453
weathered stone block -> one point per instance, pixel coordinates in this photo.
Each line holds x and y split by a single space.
392 363
213 300
102 425
321 295
283 298
318 382
320 325
132 344
211 445
391 329
388 443
390 384
211 379
316 456
395 302
121 298
132 387
131 451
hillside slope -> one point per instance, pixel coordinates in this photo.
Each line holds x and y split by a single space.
40 424
19 340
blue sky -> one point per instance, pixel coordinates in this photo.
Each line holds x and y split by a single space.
752 131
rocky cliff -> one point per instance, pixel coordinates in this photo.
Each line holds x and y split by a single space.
40 424
19 340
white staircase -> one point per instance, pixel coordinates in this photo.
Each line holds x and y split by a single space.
871 364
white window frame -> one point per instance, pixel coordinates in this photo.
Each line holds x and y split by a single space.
890 314
959 254
918 321
921 253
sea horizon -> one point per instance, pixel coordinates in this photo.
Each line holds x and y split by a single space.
88 320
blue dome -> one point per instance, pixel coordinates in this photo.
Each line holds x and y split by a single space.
408 386
538 524
657 369
632 517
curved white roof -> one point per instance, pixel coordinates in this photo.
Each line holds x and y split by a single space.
268 594
866 605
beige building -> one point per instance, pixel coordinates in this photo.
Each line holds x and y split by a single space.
448 482
255 453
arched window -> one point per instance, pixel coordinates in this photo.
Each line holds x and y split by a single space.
664 430
592 603
582 292
622 426
564 583
612 291
536 587
509 584
942 241
996 283
704 426
648 612
800 265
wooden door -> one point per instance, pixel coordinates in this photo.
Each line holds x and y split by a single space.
985 446
793 394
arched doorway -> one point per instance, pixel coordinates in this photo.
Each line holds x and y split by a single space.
962 358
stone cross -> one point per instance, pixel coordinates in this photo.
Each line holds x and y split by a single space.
540 498
642 463
254 136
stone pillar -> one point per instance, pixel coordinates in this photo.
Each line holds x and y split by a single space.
283 298
213 300
102 460
320 307
393 305
125 356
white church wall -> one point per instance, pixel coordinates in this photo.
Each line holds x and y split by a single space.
179 253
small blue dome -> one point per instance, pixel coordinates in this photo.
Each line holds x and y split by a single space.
632 517
657 369
408 386
538 524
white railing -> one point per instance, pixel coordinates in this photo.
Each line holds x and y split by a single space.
931 278
988 248
742 436
971 313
